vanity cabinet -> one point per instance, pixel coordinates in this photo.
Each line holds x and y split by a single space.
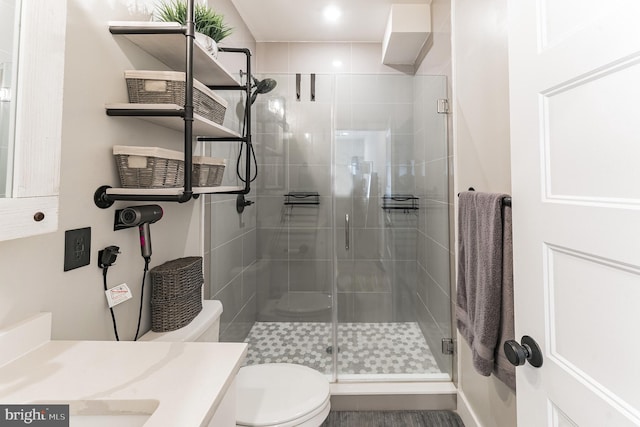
170 44
225 415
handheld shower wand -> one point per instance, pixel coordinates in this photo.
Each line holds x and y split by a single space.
260 86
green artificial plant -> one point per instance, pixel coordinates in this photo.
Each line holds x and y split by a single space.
205 19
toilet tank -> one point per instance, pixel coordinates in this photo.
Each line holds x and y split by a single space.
204 328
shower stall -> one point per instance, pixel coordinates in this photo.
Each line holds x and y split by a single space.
351 266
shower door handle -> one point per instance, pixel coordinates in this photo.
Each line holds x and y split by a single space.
346 231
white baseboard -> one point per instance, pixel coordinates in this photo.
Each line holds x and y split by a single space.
379 396
467 414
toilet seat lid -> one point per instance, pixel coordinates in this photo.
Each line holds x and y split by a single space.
276 393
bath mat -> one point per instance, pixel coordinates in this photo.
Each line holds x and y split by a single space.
393 419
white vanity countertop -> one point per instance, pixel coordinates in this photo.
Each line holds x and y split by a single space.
187 381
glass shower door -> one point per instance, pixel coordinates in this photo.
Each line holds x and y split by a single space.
390 169
374 148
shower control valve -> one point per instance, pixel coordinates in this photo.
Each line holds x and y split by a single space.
242 203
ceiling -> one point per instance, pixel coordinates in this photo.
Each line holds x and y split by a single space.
302 20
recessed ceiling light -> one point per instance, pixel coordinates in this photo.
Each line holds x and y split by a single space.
337 63
332 13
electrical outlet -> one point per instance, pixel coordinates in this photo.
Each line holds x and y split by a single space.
77 248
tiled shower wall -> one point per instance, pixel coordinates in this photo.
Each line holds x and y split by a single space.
229 237
373 128
388 140
232 239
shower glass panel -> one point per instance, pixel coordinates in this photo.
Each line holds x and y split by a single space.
293 142
390 148
374 148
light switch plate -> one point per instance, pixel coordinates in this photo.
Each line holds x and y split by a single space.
77 248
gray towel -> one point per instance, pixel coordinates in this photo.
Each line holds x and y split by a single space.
480 275
503 369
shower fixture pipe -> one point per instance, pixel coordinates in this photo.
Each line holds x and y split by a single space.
190 33
245 138
261 87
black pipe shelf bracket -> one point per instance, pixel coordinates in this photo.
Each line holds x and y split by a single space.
210 73
301 198
404 202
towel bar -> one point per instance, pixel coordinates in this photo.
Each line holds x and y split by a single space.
506 200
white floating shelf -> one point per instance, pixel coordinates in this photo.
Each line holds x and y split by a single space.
209 190
170 191
171 50
201 126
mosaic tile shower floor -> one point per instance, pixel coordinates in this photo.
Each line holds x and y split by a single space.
365 348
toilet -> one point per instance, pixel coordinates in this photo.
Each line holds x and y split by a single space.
271 394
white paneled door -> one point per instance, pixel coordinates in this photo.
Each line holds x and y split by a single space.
575 135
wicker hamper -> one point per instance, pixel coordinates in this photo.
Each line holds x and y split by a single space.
149 167
175 293
207 171
168 87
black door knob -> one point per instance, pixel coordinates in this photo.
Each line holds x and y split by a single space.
528 351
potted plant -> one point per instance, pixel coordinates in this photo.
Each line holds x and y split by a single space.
210 26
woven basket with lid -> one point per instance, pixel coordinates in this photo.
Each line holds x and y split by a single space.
175 293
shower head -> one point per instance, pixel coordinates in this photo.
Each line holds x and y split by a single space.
262 86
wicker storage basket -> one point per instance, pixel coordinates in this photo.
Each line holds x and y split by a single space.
175 293
207 171
175 278
149 167
175 313
168 87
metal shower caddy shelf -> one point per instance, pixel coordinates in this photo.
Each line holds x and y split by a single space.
302 198
403 202
166 41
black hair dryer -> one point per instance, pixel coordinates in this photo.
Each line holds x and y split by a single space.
140 216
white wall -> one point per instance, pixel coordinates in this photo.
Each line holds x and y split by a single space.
438 59
481 139
32 277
